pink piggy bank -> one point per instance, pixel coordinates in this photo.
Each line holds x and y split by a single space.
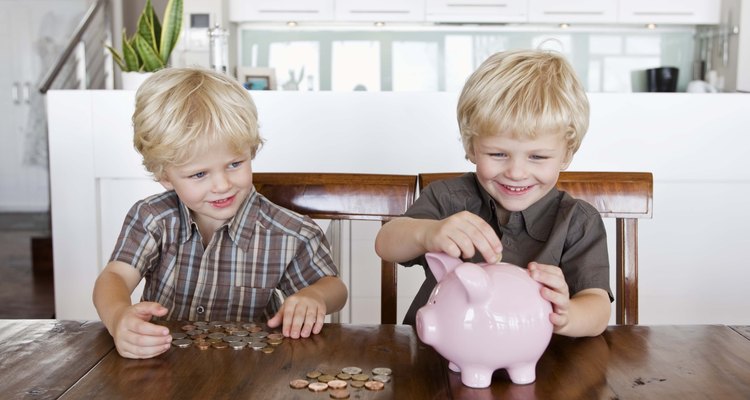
485 317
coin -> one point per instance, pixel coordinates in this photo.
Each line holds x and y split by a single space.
344 376
339 394
360 377
351 370
357 384
219 345
267 350
374 385
336 384
382 371
182 343
237 345
231 338
499 258
317 386
187 328
314 374
178 335
382 378
275 336
203 345
241 333
298 384
274 342
326 378
217 335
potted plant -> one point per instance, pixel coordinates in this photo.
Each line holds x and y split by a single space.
149 48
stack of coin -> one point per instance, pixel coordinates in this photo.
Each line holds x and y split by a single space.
338 382
222 335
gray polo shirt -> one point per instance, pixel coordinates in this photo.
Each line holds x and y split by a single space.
556 230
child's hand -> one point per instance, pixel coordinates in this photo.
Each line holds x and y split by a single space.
135 336
302 314
555 291
461 234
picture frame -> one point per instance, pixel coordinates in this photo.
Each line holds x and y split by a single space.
257 78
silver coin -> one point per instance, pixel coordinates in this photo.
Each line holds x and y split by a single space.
259 334
351 370
182 343
217 335
178 335
237 345
195 332
382 378
381 371
257 345
231 339
201 324
242 333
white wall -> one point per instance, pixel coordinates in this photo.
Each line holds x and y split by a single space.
692 261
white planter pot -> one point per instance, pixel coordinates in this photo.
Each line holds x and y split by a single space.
132 80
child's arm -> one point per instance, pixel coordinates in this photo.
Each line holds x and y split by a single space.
304 312
459 235
128 324
585 314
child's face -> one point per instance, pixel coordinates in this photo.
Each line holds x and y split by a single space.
213 184
519 172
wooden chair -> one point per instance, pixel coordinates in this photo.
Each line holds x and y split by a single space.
337 196
625 196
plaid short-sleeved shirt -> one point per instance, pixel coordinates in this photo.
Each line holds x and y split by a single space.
263 248
557 230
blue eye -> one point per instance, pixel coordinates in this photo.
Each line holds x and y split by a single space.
235 164
198 175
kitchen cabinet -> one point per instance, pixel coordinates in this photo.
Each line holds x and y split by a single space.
280 10
32 33
380 10
476 11
689 12
572 11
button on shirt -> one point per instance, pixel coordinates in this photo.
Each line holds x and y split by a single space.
557 230
263 248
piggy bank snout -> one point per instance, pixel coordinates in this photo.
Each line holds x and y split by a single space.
425 326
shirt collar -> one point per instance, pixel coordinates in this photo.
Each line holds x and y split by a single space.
234 225
538 219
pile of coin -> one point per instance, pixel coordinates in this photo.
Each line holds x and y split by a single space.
222 335
336 383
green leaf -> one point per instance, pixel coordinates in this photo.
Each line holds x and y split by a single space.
118 58
129 55
146 26
151 60
171 29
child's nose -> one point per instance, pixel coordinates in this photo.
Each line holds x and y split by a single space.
516 169
221 183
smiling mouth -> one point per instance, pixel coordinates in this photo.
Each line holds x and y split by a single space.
516 189
223 202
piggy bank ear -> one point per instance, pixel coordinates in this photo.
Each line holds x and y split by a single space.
441 264
475 280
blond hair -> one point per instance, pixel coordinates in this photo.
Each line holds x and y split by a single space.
522 93
178 109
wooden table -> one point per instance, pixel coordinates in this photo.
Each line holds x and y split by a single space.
46 359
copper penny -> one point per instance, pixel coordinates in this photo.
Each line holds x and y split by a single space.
219 345
314 374
374 385
317 386
360 377
337 384
298 384
339 394
203 345
188 328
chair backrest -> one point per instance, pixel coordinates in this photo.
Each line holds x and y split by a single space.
625 196
338 196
